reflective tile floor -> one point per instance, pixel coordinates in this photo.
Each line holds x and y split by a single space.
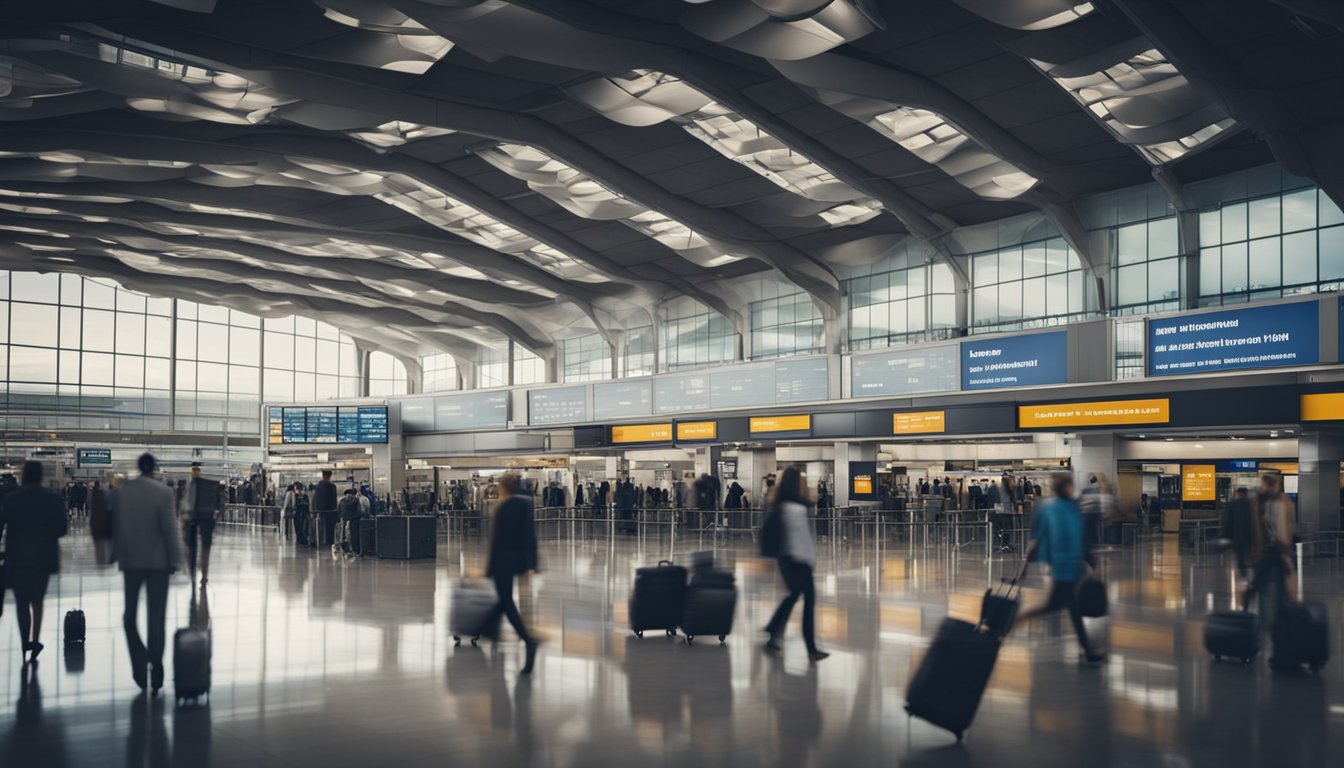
323 662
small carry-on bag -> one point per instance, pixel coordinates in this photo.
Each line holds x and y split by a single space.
191 664
474 606
949 683
1232 634
659 598
711 602
74 627
1301 637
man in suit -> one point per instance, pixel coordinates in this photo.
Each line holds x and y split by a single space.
201 504
324 505
147 550
513 552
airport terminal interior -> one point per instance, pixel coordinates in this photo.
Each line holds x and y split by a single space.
1006 337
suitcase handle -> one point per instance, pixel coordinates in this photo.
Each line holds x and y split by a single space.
662 563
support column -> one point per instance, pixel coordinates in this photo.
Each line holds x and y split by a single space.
388 465
845 453
1319 453
1092 452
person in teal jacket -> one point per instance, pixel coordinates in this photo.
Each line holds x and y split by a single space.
1057 540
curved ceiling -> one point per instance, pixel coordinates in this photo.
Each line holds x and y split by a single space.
448 174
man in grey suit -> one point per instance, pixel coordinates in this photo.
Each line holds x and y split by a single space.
148 550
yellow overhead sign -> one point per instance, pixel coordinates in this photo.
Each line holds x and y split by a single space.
862 485
697 430
642 433
767 424
1198 482
1103 413
1323 407
919 423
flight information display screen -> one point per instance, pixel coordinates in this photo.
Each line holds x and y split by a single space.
472 410
905 372
624 399
684 392
309 425
801 381
561 405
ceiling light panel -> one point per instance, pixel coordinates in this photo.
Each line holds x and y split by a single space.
642 97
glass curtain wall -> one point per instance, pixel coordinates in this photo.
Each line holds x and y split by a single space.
786 325
492 370
695 335
306 360
585 358
1146 276
527 367
637 357
1029 285
440 372
387 375
901 306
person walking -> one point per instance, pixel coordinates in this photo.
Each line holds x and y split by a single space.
148 550
202 501
1057 539
797 559
32 520
1272 574
513 552
288 506
324 503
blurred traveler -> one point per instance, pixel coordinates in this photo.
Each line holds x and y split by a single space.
288 506
147 549
1242 530
513 552
351 509
1057 540
1271 575
324 504
797 559
202 502
31 521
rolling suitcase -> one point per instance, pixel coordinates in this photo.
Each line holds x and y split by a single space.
947 687
1092 602
711 602
659 598
1301 637
998 612
74 627
1232 634
191 664
473 613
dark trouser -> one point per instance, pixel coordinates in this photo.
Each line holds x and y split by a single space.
204 532
506 606
329 520
156 586
1064 596
798 579
1092 527
1269 582
287 526
30 589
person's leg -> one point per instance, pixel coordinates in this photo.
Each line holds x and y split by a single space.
156 584
504 590
206 530
780 619
22 608
36 597
807 584
1066 592
189 531
131 582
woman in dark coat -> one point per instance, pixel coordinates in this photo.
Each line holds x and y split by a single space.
32 519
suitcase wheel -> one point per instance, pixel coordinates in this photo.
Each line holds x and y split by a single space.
690 639
474 640
671 633
639 633
457 640
721 637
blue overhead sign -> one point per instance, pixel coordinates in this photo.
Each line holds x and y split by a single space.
1015 361
1254 337
92 457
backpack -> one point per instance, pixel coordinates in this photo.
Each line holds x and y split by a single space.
350 508
771 538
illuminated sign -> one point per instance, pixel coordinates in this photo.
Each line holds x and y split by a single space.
863 485
1015 361
1253 337
770 424
863 480
1323 407
642 433
1197 482
1103 413
89 457
697 430
919 422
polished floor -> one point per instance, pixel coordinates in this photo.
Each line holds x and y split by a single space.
319 661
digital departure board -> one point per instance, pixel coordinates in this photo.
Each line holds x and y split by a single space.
1236 339
309 425
742 386
905 372
1029 360
623 399
560 405
802 381
682 392
472 410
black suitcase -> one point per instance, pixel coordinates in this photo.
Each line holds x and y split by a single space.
1302 636
474 606
1092 601
191 664
947 687
711 602
74 627
659 598
998 612
1232 634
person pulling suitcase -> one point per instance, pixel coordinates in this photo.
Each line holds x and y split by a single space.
786 536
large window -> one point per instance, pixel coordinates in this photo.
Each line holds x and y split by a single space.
387 375
440 373
492 368
527 367
1026 286
1146 276
695 335
786 325
306 360
218 369
1284 244
586 358
900 306
1129 345
637 359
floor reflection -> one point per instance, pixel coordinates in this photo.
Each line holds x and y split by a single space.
323 661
